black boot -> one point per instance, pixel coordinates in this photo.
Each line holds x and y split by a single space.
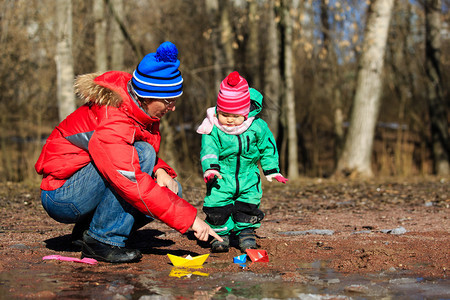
100 251
247 239
218 247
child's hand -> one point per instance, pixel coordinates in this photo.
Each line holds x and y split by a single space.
210 174
278 177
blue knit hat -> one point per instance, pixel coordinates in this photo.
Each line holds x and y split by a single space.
157 75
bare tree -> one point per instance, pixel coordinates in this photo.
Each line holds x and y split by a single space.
401 82
355 159
289 96
64 58
252 51
329 74
212 9
118 40
101 50
436 106
324 74
126 34
226 36
272 76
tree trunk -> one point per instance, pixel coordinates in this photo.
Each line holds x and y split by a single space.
118 40
127 35
356 156
101 54
403 83
212 8
289 93
226 36
64 59
436 106
252 53
167 150
325 25
272 72
338 124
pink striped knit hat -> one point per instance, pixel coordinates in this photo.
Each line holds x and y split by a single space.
234 95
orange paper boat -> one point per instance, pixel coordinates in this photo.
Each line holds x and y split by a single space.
187 261
257 255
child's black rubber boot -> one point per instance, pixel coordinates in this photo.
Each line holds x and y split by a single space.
247 239
217 246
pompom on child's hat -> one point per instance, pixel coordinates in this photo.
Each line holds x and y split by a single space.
234 95
157 75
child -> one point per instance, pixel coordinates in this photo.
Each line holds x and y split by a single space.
233 141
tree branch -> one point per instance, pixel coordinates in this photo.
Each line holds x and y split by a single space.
124 30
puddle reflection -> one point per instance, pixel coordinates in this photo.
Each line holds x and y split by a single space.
186 272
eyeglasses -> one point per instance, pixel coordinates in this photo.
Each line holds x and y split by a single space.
168 103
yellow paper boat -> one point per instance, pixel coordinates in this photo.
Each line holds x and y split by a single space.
185 272
187 261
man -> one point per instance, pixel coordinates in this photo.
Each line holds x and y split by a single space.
100 166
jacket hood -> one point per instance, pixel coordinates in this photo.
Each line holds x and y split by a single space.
102 88
255 102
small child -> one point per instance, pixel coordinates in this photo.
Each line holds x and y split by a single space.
234 139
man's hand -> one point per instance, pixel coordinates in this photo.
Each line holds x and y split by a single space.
164 179
202 231
210 174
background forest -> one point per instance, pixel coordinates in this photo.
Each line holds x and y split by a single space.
307 57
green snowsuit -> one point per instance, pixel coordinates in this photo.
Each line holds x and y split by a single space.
232 203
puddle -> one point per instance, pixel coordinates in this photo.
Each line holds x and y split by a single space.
311 281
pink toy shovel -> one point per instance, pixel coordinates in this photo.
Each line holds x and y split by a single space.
85 260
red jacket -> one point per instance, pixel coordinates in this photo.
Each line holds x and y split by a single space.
103 131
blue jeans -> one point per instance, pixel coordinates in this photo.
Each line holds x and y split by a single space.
88 193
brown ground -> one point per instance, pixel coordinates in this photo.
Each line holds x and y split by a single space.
420 205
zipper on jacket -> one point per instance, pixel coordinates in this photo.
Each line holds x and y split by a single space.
238 164
220 141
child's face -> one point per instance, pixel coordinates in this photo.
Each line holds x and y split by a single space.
230 120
